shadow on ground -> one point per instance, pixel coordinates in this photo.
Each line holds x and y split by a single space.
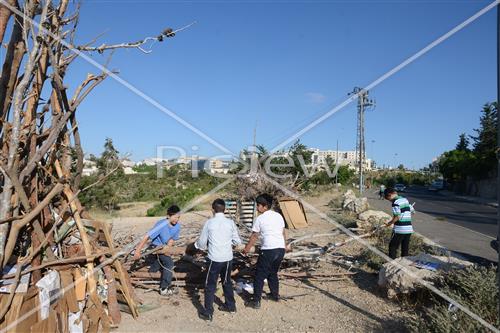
382 324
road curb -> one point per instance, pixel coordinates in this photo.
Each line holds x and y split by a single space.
469 199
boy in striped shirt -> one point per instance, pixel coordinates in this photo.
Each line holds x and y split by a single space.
401 219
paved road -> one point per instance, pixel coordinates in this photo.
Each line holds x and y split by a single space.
473 216
463 227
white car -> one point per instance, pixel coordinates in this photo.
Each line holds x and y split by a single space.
437 185
400 187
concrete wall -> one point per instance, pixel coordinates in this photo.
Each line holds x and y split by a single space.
485 188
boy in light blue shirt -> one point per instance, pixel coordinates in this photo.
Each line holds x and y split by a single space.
164 233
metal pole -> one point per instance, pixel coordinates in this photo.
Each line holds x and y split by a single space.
361 138
337 164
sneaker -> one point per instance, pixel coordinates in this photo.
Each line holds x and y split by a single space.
168 291
253 304
224 308
205 316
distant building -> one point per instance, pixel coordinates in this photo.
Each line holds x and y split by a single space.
128 163
154 161
129 171
349 158
211 165
89 168
218 166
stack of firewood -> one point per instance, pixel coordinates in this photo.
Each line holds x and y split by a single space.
304 262
59 268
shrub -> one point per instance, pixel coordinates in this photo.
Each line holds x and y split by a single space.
474 287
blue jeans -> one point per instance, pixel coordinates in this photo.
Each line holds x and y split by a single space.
268 266
216 269
165 264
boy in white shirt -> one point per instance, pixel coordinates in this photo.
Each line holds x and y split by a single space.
270 226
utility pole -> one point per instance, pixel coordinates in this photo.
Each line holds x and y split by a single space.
255 139
337 164
363 104
254 160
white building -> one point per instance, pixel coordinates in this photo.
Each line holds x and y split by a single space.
154 161
126 163
89 168
217 166
349 158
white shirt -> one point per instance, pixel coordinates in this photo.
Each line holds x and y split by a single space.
270 225
218 235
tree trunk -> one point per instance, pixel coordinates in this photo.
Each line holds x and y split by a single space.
5 14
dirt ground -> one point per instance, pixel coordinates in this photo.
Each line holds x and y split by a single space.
351 305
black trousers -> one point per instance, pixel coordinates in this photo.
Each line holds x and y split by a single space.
398 240
216 269
268 266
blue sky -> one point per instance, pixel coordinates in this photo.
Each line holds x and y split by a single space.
281 65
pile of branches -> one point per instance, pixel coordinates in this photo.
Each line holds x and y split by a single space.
251 184
49 245
303 263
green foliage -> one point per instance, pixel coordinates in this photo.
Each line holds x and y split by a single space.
292 164
392 177
175 186
474 287
301 156
143 168
485 142
182 195
480 162
455 165
463 143
104 194
345 175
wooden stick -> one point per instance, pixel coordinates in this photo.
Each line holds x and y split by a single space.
113 308
124 282
83 235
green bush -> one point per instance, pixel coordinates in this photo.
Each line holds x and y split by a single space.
474 287
177 186
393 177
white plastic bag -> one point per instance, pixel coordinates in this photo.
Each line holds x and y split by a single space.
49 286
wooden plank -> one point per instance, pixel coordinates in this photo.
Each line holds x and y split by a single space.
125 285
113 309
80 284
14 311
94 319
297 214
69 294
48 325
294 213
286 215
